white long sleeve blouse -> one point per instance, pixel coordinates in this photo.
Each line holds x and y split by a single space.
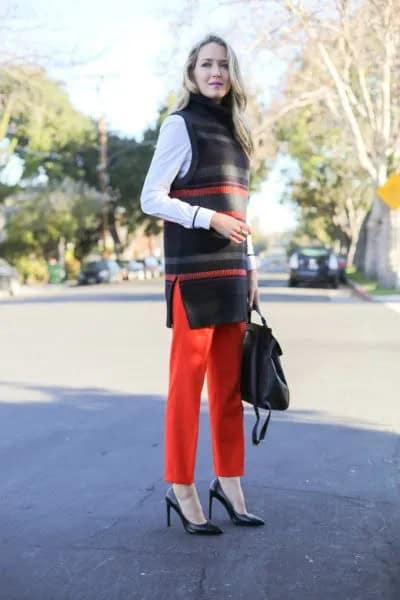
172 157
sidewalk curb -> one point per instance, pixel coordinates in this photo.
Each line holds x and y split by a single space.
384 300
360 291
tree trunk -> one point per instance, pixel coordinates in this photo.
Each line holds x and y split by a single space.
356 222
352 249
389 255
361 245
373 239
374 228
61 250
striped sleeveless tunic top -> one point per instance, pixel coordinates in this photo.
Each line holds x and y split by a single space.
210 269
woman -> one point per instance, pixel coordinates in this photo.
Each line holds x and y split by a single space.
198 183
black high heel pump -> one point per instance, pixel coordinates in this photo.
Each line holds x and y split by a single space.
248 519
208 528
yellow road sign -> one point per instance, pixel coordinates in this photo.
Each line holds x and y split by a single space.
390 191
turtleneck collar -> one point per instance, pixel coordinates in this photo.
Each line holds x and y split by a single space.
220 111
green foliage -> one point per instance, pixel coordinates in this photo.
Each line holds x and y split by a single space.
41 217
87 213
331 189
128 163
128 166
46 131
72 265
44 124
32 269
6 191
369 285
36 228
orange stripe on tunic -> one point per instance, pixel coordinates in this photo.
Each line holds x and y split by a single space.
234 213
208 274
216 189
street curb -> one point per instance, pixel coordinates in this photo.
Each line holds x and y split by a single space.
360 291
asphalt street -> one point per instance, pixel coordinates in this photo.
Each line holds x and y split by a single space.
83 376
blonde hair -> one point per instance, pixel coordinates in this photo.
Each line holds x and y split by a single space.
236 99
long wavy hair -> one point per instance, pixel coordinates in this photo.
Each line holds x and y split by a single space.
236 99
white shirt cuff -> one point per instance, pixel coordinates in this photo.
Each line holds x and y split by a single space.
203 218
251 263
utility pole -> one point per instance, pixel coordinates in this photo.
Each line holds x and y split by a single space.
102 163
102 174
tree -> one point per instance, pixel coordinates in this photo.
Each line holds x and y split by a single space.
344 55
331 191
127 165
363 90
350 53
39 121
39 124
40 217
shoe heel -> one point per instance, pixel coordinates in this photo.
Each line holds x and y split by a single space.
207 528
168 513
237 518
210 499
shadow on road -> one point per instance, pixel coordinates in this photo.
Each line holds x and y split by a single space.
82 511
272 289
73 298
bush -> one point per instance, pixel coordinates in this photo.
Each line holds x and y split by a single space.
32 269
72 267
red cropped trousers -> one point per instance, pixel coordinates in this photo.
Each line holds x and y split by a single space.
215 350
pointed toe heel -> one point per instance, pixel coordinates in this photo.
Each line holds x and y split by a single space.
245 519
207 528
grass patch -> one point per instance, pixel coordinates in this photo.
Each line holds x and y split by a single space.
385 292
369 285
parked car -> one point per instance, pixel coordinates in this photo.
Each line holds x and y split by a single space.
100 271
132 269
123 264
342 260
161 262
152 267
313 264
9 278
273 263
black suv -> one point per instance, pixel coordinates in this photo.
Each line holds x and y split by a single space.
314 264
100 271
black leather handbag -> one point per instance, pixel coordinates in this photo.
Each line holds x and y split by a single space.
263 382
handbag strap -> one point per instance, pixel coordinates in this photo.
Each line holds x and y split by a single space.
258 311
258 439
265 324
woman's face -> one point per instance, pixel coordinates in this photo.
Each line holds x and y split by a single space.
211 72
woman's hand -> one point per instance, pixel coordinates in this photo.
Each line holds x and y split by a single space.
253 288
231 228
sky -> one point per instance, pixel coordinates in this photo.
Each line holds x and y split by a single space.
123 57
